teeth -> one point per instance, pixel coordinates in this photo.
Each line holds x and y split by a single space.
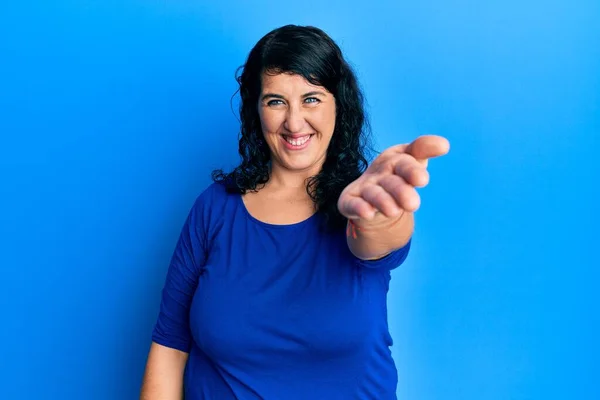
297 142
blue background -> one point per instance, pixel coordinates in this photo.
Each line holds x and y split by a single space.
113 113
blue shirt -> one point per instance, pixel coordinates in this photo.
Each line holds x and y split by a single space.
275 311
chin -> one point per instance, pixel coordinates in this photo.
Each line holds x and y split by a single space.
298 166
303 166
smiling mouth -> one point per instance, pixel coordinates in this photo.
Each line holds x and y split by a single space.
297 141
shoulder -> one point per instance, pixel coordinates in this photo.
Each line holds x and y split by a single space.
213 195
211 207
215 189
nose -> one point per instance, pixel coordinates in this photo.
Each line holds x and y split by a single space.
294 120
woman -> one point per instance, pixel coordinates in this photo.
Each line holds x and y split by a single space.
277 287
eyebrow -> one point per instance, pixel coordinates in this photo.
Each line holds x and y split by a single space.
271 95
314 93
278 96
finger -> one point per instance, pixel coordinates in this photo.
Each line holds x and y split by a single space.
381 200
404 194
356 207
413 172
428 146
397 149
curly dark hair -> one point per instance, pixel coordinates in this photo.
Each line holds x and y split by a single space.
311 53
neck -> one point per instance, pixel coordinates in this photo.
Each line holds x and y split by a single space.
287 179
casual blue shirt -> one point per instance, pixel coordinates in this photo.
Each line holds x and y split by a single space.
275 311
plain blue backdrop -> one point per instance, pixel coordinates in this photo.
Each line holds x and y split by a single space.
113 113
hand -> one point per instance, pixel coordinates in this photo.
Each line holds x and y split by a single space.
388 185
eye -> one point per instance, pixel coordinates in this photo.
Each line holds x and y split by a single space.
274 102
312 100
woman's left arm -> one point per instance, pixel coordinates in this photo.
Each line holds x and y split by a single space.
380 205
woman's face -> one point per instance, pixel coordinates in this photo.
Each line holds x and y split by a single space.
297 120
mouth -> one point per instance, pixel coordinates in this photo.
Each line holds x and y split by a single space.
297 142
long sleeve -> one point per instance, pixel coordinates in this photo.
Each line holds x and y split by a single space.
390 261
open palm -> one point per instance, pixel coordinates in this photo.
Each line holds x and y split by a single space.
388 185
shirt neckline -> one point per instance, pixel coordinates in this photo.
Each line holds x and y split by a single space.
270 225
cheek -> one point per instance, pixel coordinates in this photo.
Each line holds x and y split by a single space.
270 122
325 123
